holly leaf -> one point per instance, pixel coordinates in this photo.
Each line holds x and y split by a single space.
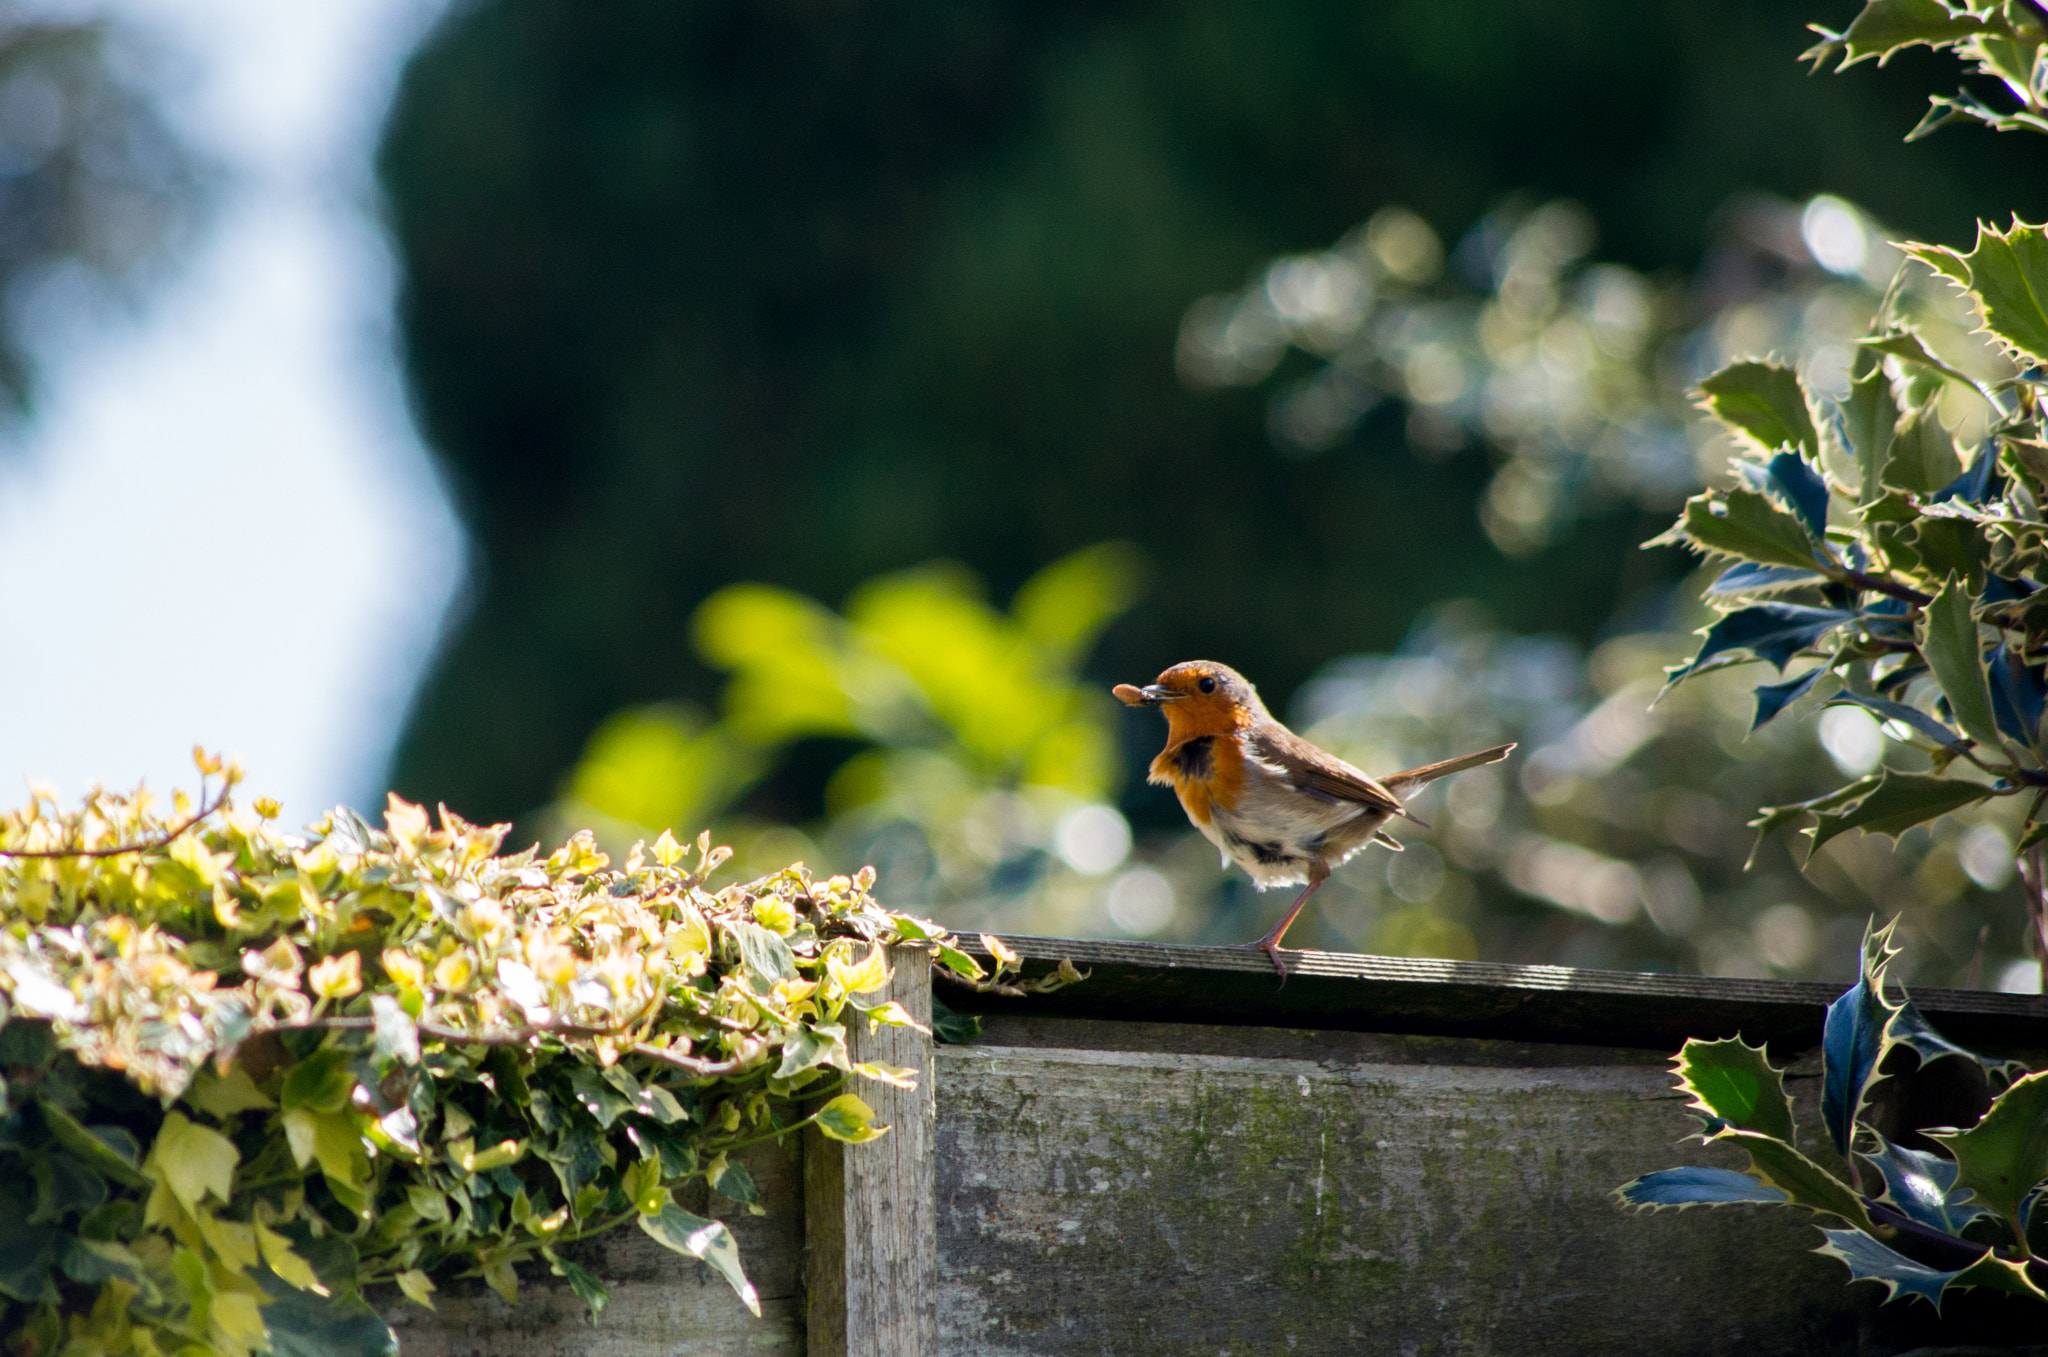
2007 274
1853 1041
1911 717
1897 803
1802 489
1733 1085
1870 420
1781 1166
1871 1260
1770 631
1743 524
2005 1155
1765 404
1922 1186
1947 633
1695 1187
1772 698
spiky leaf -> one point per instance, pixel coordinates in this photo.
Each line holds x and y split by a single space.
1695 1187
1923 1186
2007 273
1897 803
1763 403
1732 1083
1948 638
1871 1260
2005 1154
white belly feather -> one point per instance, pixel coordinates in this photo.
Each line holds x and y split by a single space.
1276 830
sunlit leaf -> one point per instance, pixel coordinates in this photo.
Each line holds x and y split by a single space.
1948 638
1765 403
1696 1187
709 1240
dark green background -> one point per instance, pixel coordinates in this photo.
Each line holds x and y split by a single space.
707 290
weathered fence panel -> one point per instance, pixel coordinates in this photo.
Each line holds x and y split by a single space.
1178 1157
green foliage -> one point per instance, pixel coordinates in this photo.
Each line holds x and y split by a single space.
737 291
978 738
2001 40
1909 1233
250 1075
1918 588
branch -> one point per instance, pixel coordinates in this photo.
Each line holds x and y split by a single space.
1890 588
146 846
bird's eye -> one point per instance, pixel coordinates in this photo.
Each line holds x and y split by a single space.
1207 685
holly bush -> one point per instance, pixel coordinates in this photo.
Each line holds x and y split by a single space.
250 1075
1922 1204
1898 534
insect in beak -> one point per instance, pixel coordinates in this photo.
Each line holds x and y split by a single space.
1151 695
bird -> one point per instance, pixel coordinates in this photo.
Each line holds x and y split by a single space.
1276 805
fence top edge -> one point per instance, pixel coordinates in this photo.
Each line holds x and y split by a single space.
1236 986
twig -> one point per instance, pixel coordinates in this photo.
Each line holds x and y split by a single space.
146 846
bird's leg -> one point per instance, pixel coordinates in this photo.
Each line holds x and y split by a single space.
1270 944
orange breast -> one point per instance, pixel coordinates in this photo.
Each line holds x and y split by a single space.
1205 771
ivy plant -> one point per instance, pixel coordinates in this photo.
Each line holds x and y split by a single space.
1922 1208
251 1075
1860 532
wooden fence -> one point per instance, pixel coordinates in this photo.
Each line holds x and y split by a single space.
1180 1157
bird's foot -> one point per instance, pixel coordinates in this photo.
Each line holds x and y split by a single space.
1273 952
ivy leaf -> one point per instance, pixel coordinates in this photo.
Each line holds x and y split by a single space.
2005 1155
1770 631
193 1161
849 1119
587 1287
708 1240
1695 1187
1743 524
108 1150
302 1324
1802 489
417 1286
808 1047
2007 274
1764 403
598 1097
763 954
1871 1260
1923 1186
1733 1084
1948 638
732 1180
223 1096
1772 698
1897 803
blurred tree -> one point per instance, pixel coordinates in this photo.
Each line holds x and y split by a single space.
757 290
94 190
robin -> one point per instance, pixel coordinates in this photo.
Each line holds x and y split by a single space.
1282 809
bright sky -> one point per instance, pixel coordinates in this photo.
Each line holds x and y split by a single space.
221 526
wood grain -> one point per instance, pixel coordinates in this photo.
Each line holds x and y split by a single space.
870 1225
1337 991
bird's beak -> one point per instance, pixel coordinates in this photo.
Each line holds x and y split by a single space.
1154 694
1151 695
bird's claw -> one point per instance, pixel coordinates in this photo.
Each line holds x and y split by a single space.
1272 951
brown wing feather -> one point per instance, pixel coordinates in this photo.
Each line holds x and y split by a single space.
1313 770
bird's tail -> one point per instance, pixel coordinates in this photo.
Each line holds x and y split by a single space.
1400 784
